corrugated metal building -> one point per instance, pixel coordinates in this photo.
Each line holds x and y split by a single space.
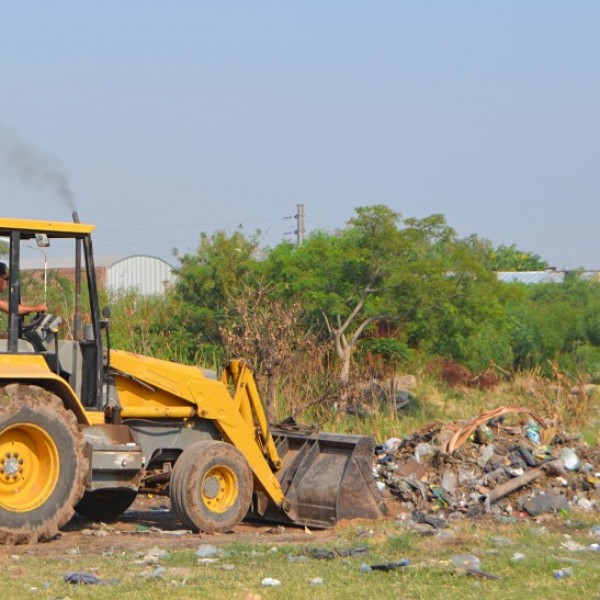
548 276
146 274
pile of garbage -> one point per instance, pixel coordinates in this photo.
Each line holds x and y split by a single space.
507 462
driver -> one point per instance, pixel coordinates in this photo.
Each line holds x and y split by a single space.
24 309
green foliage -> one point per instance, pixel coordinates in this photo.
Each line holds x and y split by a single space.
383 289
510 258
206 280
552 321
505 258
144 324
390 349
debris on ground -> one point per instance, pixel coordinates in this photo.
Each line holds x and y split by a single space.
81 578
327 554
562 573
154 555
157 573
389 566
207 551
471 565
506 461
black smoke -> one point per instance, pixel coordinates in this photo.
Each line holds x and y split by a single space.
31 166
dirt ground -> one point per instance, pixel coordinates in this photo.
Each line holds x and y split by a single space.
150 522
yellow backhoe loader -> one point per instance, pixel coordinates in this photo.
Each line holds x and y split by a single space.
85 428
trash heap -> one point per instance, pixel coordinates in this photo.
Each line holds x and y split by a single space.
491 464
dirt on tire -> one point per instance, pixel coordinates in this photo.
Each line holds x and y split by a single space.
28 406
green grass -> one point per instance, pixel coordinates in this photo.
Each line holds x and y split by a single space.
429 576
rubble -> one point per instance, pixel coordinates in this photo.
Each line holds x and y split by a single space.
506 461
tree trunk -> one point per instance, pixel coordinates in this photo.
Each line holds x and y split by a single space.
345 357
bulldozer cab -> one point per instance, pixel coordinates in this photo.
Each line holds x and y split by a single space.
54 260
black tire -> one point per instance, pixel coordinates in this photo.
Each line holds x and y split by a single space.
105 505
42 464
211 487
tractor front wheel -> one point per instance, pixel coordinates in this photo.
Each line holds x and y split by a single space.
211 487
42 464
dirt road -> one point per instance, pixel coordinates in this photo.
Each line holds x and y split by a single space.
150 522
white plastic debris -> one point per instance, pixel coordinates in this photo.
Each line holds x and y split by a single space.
585 504
207 550
562 573
466 561
155 554
422 449
572 546
316 581
569 459
270 582
391 445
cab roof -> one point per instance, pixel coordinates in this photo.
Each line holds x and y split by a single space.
53 229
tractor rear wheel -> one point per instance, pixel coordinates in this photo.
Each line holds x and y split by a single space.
105 505
211 487
42 464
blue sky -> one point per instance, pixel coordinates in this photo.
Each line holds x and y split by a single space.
166 119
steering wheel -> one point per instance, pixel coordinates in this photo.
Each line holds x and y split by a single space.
35 321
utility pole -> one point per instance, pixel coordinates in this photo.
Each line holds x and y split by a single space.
299 216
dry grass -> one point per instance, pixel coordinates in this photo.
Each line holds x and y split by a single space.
563 403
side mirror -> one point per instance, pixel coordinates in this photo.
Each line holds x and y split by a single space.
42 241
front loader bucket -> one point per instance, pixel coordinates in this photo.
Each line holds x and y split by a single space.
327 477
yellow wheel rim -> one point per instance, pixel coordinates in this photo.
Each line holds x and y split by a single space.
219 489
29 467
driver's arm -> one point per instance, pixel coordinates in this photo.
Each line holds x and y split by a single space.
24 309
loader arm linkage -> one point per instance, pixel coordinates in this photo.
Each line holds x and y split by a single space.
247 400
183 392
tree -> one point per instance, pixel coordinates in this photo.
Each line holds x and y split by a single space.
339 277
266 329
465 318
207 279
505 258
